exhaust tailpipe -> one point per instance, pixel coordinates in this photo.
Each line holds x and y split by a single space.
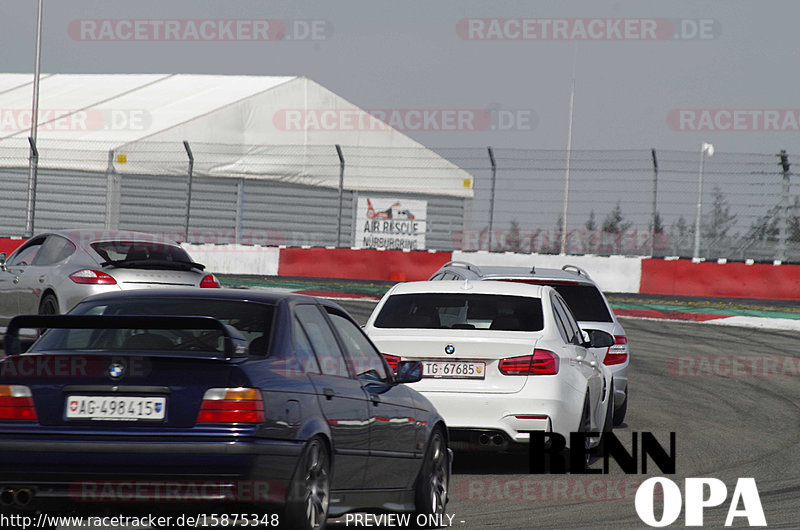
7 497
23 497
483 439
497 439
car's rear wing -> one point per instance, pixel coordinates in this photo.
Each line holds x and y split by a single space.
235 345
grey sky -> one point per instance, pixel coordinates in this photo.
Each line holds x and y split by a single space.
408 55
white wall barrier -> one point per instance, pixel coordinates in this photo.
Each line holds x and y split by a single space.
614 274
236 259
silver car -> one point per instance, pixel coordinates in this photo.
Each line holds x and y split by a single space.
585 299
53 271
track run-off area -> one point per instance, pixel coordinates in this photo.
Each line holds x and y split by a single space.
730 394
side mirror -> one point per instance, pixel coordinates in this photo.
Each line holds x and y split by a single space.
408 372
599 339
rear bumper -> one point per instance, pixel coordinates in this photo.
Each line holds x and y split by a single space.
176 476
512 416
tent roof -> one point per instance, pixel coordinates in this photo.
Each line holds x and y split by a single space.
232 123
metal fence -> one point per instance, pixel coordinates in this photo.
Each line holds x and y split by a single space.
634 202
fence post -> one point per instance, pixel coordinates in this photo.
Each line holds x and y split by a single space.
491 200
655 202
112 194
237 231
33 166
783 209
188 190
341 191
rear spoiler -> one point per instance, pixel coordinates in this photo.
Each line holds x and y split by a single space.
235 343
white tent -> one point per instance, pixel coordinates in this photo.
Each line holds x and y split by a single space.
273 128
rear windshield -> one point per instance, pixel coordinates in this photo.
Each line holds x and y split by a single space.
253 320
142 254
461 311
585 301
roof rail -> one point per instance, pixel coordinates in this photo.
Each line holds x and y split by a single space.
467 265
576 269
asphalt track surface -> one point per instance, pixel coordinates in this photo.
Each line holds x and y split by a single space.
729 421
728 424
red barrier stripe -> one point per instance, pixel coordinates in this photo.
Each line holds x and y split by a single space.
668 315
735 280
363 264
9 245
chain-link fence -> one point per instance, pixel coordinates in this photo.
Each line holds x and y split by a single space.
636 202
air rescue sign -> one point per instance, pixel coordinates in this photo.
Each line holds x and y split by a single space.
391 224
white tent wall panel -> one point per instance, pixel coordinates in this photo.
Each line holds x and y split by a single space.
13 201
296 215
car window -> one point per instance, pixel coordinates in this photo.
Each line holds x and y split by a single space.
252 320
562 328
323 341
303 348
367 362
26 254
585 301
573 331
54 249
142 253
461 311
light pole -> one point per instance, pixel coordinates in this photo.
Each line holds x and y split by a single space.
704 148
34 157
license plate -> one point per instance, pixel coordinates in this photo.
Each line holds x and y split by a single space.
454 369
115 408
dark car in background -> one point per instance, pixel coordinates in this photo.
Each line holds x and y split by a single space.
214 401
584 298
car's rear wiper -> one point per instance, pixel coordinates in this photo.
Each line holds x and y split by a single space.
152 264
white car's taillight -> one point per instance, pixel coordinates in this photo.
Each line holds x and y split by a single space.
618 353
209 281
542 362
92 277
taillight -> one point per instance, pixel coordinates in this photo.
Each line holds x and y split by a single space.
392 360
16 403
231 405
209 282
542 362
618 353
92 277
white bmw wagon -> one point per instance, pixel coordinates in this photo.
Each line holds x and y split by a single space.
499 360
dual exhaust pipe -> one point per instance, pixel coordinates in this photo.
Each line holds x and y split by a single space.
486 439
20 497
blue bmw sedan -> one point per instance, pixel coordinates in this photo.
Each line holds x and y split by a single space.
270 406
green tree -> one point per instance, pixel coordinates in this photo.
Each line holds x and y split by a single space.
721 219
614 223
513 241
591 224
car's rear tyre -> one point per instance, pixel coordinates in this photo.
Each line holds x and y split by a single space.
309 493
433 481
48 305
619 413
